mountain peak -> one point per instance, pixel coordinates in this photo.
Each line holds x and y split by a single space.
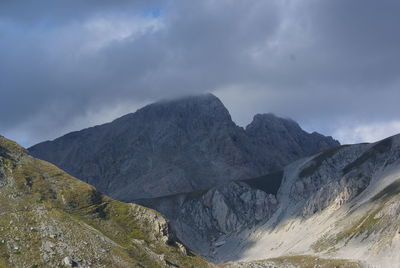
175 146
265 123
206 108
196 105
205 97
271 125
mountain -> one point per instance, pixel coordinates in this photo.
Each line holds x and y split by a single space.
260 196
50 219
178 146
338 208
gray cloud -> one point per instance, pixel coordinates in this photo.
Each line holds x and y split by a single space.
331 65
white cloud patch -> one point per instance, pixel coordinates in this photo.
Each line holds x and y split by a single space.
91 117
367 132
102 31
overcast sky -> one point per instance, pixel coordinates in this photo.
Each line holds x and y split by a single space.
333 66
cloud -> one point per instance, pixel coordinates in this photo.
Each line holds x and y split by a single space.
320 62
45 121
368 133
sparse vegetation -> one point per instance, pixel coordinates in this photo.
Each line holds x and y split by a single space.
47 214
4 153
366 225
388 191
301 261
305 261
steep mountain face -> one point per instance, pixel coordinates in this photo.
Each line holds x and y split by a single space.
50 219
178 146
204 219
343 203
338 208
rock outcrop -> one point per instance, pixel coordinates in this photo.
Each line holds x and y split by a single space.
178 146
204 219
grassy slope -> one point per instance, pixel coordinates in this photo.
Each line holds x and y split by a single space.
46 215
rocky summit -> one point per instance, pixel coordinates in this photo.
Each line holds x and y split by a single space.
51 219
178 146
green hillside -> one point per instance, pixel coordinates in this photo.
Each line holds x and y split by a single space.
51 219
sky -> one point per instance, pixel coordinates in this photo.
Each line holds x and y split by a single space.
332 66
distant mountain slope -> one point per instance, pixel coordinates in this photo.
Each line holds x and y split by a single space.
341 203
50 219
178 146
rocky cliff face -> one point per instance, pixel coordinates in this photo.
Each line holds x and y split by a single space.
50 219
178 146
339 208
341 203
205 219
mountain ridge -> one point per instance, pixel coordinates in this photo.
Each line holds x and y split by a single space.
175 146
